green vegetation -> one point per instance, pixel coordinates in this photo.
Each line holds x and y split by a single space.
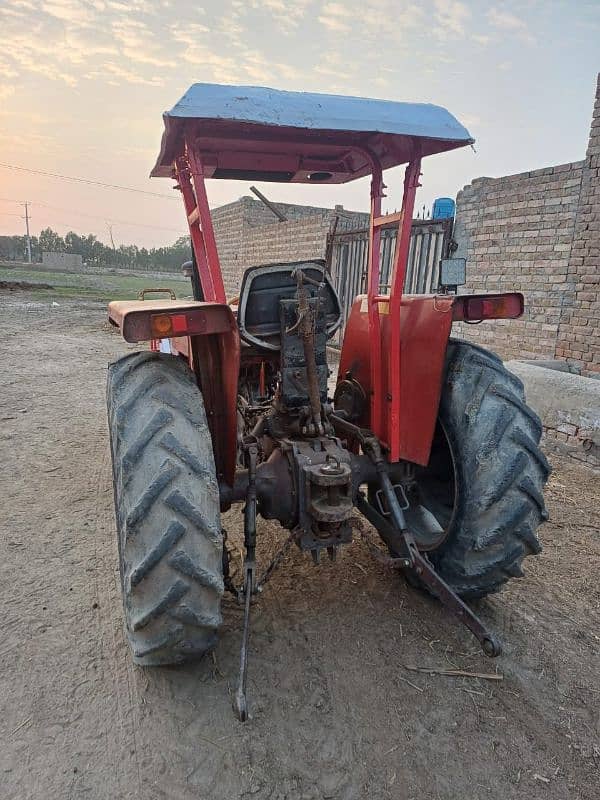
96 253
103 287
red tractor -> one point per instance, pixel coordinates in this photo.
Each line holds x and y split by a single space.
427 437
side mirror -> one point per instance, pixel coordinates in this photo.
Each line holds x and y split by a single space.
453 272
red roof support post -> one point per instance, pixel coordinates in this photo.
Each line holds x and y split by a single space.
190 176
392 418
377 187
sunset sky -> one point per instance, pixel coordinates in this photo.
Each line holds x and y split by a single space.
83 86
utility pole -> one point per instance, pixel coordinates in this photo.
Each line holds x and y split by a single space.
28 236
110 233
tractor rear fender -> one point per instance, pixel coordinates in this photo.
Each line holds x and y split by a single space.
142 320
425 324
206 336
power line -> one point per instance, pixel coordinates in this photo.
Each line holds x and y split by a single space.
107 217
87 180
104 217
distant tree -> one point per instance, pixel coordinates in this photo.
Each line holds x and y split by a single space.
51 242
14 248
93 251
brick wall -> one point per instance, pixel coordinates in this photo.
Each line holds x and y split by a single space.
256 212
294 240
579 329
537 233
248 234
228 223
516 233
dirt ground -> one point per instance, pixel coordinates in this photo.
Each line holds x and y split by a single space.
336 713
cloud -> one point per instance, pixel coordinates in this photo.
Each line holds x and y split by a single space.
245 64
82 46
70 11
188 33
117 73
335 17
24 143
7 72
372 22
505 21
138 43
286 13
67 41
6 91
28 54
450 16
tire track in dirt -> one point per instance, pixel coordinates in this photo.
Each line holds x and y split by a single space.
120 753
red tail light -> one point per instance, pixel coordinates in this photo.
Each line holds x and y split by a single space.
475 307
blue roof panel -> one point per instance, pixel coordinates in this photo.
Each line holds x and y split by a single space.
328 136
317 111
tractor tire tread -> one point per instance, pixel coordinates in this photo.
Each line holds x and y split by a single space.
167 508
500 469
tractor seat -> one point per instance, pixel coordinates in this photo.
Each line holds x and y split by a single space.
259 319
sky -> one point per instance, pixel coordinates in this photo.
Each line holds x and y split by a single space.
83 86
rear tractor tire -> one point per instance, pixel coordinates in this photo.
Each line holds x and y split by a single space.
486 474
167 509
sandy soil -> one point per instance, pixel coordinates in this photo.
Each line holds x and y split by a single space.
335 711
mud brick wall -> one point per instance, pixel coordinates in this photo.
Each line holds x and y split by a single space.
516 233
248 234
294 240
538 233
256 212
228 223
579 330
576 442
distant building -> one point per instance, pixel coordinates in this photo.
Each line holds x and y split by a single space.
64 260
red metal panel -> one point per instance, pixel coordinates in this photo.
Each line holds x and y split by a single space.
374 331
394 397
216 361
205 224
214 356
425 323
190 178
134 316
386 396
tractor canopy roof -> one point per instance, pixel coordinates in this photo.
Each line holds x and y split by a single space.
255 133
